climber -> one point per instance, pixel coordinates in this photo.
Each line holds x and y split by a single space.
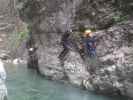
65 44
32 62
89 42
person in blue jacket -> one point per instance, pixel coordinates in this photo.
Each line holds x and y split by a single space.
89 43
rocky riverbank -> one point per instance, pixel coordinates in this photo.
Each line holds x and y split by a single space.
48 20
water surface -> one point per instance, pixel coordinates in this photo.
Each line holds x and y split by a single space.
24 84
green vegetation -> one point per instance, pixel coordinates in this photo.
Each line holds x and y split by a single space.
119 18
21 36
17 39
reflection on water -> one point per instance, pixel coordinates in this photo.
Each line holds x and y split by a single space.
24 84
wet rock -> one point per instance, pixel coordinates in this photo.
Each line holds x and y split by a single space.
128 89
4 56
17 61
76 71
88 85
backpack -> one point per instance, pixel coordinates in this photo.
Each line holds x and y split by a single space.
91 43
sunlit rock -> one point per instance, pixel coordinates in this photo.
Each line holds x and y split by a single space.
15 61
3 88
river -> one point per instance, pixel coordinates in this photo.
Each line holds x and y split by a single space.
24 84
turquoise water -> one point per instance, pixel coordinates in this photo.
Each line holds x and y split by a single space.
25 84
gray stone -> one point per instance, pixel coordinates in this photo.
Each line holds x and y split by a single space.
49 20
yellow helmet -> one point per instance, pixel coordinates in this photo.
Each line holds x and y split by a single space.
87 32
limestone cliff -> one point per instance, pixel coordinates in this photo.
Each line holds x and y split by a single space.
49 19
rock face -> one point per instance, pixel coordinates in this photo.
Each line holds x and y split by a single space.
49 19
10 26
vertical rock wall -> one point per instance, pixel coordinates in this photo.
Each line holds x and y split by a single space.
49 19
